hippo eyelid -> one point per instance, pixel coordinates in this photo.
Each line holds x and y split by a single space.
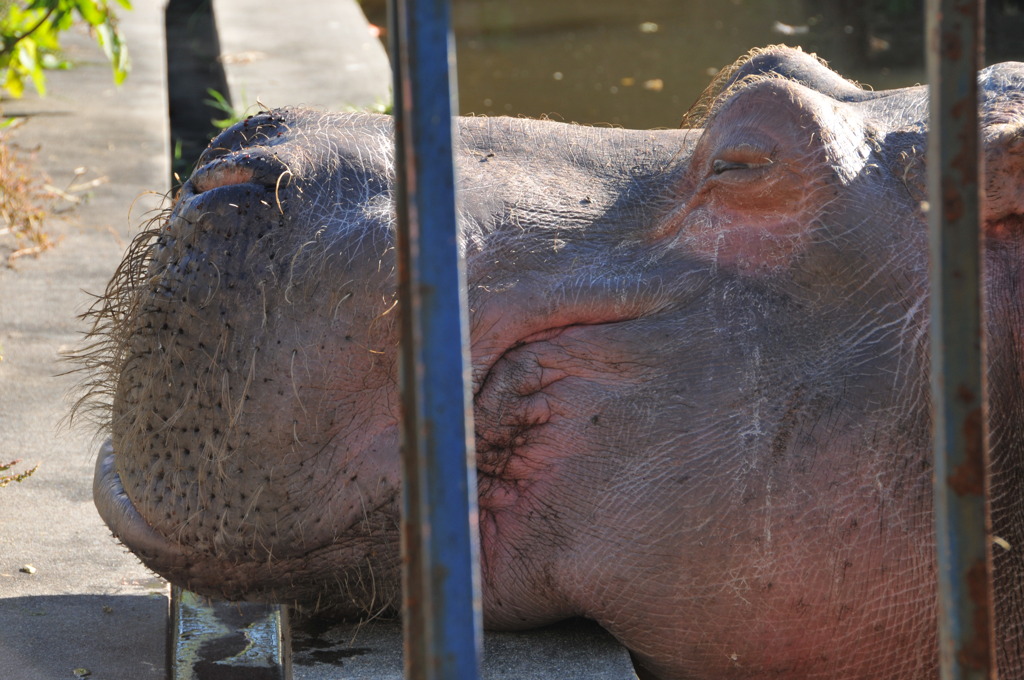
720 165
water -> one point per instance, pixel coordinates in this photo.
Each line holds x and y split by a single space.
642 63
636 64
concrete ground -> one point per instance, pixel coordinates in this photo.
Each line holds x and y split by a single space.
73 603
90 606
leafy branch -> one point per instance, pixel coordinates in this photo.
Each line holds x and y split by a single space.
30 38
12 42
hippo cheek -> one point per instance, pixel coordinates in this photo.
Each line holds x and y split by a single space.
545 414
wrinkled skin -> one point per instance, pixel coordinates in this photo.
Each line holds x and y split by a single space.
699 362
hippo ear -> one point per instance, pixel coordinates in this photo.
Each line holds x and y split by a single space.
780 62
798 66
770 161
1003 207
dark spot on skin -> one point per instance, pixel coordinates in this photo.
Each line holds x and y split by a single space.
594 419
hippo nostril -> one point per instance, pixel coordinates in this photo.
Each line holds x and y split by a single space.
220 175
241 168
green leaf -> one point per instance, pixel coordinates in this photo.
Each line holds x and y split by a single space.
62 21
112 42
221 103
218 101
12 82
29 58
91 11
46 37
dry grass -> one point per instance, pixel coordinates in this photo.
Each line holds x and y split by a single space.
24 197
14 477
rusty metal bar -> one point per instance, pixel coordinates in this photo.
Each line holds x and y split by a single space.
962 527
439 539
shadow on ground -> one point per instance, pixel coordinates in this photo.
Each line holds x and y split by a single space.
111 627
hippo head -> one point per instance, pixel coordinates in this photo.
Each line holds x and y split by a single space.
699 362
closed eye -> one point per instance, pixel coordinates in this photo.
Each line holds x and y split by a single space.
721 166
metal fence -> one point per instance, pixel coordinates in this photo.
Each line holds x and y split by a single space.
442 608
440 544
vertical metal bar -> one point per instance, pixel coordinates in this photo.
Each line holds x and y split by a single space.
958 379
439 534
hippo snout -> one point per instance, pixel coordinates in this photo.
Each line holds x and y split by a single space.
222 397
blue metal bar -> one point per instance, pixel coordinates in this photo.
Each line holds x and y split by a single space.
958 377
439 534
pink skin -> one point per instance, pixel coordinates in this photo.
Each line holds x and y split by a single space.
699 375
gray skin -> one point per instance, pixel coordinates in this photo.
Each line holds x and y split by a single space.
699 362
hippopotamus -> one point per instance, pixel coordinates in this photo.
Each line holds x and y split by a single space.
699 367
